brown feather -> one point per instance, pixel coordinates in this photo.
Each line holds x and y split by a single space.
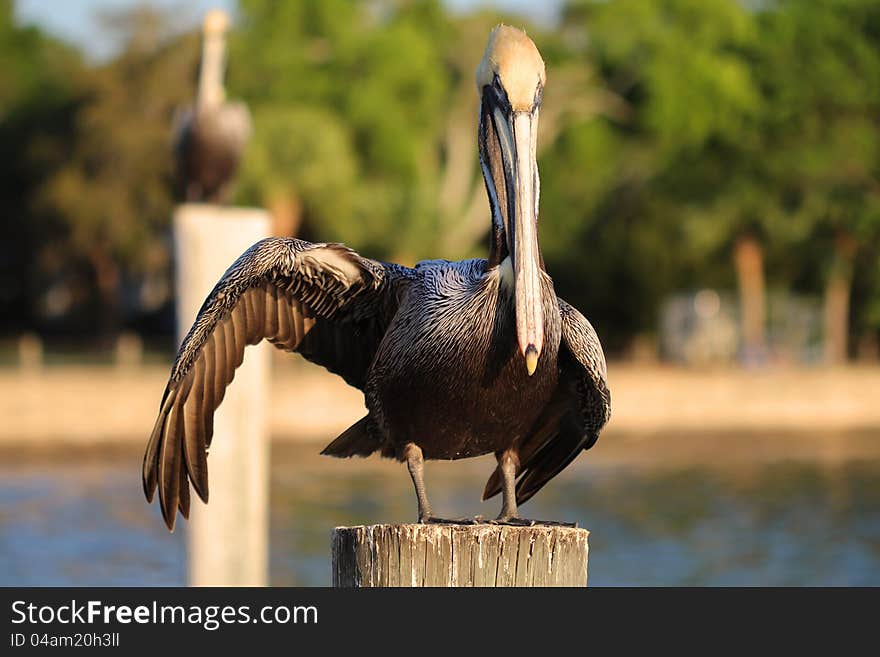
551 462
253 334
169 466
238 317
221 361
151 456
297 326
283 310
209 357
232 354
194 444
354 441
258 301
579 409
261 296
183 502
271 312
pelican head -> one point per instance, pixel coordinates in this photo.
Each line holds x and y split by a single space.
216 22
510 80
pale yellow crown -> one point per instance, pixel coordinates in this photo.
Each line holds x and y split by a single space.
216 22
512 56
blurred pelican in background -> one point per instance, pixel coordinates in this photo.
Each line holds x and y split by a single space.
210 138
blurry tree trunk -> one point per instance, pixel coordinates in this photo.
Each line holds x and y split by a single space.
286 211
107 280
869 348
837 293
748 258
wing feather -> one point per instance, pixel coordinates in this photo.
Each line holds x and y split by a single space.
209 357
271 311
195 446
283 310
217 341
322 300
239 327
572 420
183 502
169 465
232 357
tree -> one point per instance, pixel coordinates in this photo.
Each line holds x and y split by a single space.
675 180
374 78
752 131
301 161
683 143
39 94
111 200
823 140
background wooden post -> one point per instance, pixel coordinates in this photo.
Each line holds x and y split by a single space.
459 555
228 539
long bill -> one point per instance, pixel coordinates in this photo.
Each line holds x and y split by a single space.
518 137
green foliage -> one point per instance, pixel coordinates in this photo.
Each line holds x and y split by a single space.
374 77
669 130
303 151
745 118
113 192
30 64
823 118
682 61
38 96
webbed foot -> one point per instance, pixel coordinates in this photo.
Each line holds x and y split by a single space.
515 521
432 520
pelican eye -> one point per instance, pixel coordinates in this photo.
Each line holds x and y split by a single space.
539 95
500 93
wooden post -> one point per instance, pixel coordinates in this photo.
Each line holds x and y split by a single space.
228 539
459 555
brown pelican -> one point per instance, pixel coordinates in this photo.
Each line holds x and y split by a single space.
210 138
455 359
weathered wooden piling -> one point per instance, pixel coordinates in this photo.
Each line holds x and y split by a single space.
459 555
228 539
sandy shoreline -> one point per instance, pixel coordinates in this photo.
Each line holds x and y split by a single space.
100 405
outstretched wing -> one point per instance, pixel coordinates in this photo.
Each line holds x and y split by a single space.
572 420
321 300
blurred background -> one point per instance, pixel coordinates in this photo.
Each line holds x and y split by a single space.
710 200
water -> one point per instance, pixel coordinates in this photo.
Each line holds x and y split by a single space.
741 510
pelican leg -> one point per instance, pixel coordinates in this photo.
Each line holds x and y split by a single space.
415 463
508 464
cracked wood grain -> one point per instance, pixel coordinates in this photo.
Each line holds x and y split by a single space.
459 555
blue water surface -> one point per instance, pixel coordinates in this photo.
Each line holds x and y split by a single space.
82 520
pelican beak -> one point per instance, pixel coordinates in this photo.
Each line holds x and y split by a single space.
516 133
